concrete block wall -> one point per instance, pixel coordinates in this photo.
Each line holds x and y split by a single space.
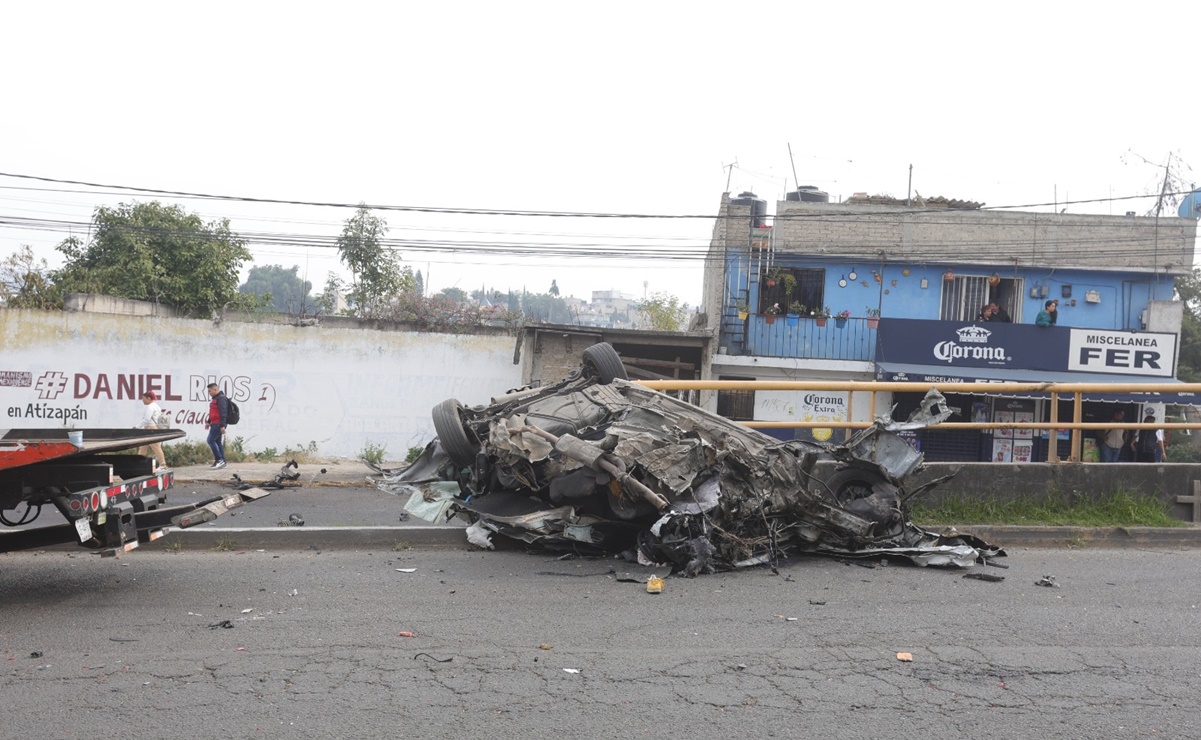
877 232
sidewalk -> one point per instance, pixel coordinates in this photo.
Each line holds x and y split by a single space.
329 473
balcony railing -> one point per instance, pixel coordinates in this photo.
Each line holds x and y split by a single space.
839 339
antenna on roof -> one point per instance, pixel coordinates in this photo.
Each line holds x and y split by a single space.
793 163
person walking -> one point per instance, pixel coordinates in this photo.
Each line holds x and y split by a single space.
218 413
151 414
1113 440
1149 444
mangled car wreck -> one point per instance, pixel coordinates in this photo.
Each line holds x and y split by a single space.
597 464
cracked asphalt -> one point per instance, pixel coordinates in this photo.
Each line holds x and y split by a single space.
122 647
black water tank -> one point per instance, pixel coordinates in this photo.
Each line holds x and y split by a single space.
808 194
757 204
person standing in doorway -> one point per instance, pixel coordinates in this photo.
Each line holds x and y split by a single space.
1148 445
218 413
1113 440
151 414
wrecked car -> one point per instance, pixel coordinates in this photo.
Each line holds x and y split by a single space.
596 464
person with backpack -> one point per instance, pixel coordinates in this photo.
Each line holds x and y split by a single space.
1148 446
218 418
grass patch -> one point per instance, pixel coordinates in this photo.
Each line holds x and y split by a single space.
1116 509
225 544
373 453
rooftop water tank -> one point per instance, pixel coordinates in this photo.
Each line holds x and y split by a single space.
757 204
808 194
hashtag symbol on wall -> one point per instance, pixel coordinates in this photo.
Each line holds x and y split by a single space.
50 385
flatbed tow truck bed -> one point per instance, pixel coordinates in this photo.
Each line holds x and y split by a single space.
112 501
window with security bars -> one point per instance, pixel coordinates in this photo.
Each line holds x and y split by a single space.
965 296
809 290
944 445
736 405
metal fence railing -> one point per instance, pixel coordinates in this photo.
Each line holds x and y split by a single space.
1075 390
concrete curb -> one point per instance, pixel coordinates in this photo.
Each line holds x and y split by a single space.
438 537
301 538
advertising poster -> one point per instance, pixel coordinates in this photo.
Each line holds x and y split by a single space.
1023 417
1023 450
1003 417
1002 450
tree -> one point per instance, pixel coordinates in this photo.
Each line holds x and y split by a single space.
546 308
377 275
287 292
663 311
158 253
458 295
554 288
1188 288
25 282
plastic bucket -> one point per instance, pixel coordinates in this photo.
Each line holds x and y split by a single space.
75 438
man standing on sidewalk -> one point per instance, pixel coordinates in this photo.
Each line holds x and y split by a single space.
218 413
1113 440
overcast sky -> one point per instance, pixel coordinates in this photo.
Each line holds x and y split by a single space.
620 108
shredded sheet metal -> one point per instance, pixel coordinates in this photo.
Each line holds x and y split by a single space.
734 496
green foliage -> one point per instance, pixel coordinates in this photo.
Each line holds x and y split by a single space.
157 253
1188 289
1116 509
378 276
179 454
663 311
546 308
25 282
283 287
458 295
268 454
1183 449
414 453
373 453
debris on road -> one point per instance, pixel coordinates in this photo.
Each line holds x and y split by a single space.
404 634
406 570
224 624
595 464
287 477
984 577
654 585
905 657
1048 581
436 660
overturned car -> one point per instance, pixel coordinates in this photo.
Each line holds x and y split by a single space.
597 464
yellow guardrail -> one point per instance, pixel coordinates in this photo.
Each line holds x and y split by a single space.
1055 390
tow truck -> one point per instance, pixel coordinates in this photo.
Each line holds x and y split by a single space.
112 498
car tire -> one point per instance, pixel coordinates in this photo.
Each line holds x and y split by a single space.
603 362
852 483
448 423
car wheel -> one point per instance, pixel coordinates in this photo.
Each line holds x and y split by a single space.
448 423
603 362
852 483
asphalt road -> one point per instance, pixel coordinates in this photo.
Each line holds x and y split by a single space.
535 647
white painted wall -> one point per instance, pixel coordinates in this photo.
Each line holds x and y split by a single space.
341 388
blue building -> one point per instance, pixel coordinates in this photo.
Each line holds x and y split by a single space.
878 289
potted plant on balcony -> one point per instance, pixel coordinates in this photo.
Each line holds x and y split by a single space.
789 281
821 315
742 309
796 310
873 317
773 276
840 319
771 312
